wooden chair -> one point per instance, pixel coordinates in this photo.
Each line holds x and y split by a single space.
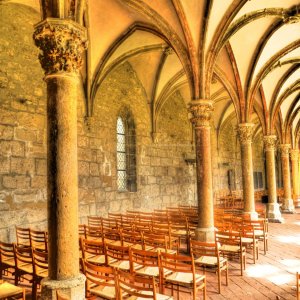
112 236
93 233
93 251
7 258
23 236
40 269
145 263
207 256
249 240
231 246
100 281
24 264
117 256
183 274
261 231
136 287
39 239
158 242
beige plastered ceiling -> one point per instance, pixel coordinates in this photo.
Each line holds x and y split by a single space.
242 54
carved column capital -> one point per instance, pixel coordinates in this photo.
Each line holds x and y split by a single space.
201 112
294 154
285 150
245 132
61 43
270 142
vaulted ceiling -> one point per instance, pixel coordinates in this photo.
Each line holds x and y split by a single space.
243 54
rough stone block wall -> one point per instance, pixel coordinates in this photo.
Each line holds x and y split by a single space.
22 123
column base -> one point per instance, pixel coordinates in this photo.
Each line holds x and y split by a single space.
251 215
273 213
71 289
205 234
297 201
288 206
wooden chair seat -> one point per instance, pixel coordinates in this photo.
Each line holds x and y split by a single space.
184 278
120 264
8 290
231 248
107 292
96 259
210 260
158 296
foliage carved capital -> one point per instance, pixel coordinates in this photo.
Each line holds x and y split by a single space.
201 112
270 142
245 133
294 154
285 150
61 43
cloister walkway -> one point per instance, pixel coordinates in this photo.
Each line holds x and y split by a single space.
273 276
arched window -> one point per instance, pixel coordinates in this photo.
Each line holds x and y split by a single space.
126 160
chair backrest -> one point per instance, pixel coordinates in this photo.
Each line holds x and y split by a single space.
199 249
23 236
7 256
94 221
133 237
177 263
228 238
39 239
155 240
102 276
143 258
82 230
93 232
115 252
91 247
40 264
136 287
23 259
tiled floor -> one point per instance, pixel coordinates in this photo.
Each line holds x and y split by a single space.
272 277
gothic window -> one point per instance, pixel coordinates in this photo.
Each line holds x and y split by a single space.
126 160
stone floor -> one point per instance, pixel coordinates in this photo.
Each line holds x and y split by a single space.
272 277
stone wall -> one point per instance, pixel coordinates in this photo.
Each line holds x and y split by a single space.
22 123
163 177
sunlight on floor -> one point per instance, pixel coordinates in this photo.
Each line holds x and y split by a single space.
270 273
296 223
292 264
289 239
259 271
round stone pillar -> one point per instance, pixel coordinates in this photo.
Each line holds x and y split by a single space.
295 176
61 43
245 132
288 203
273 211
201 111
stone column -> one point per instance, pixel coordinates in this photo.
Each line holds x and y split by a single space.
201 111
295 176
273 212
245 132
288 203
61 43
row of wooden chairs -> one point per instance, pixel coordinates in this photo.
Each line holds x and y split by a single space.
29 237
169 270
21 262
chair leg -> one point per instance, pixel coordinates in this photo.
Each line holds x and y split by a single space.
219 280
